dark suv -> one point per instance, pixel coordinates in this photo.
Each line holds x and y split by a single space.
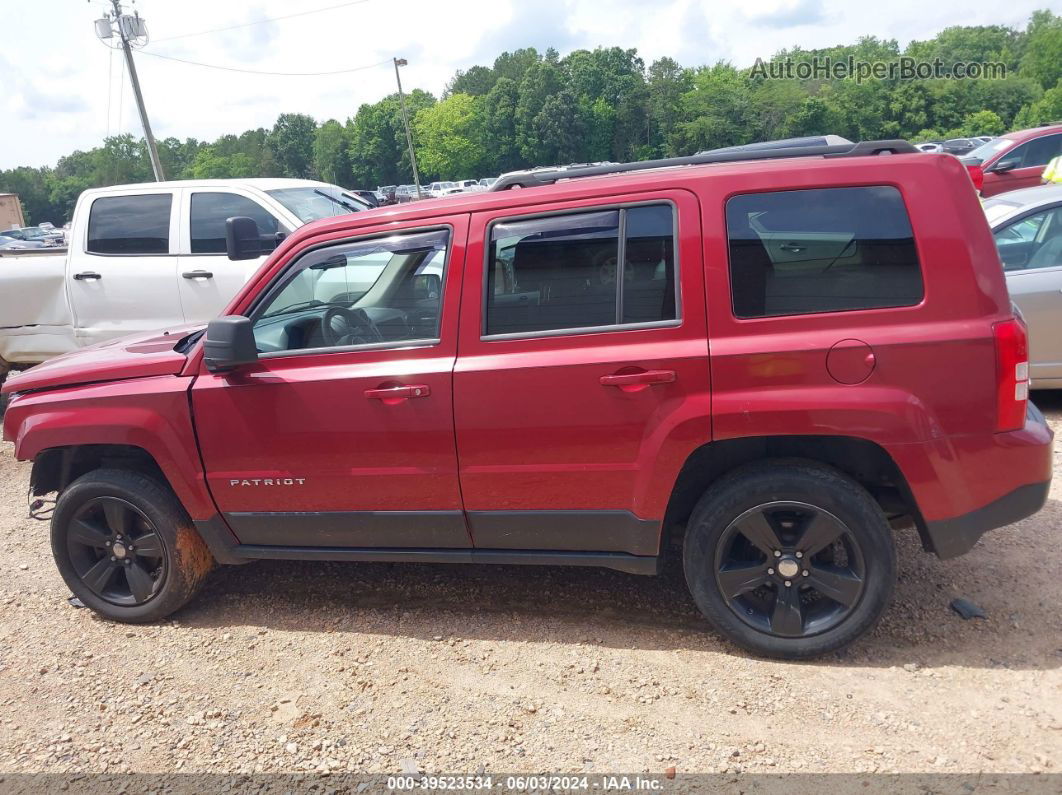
763 362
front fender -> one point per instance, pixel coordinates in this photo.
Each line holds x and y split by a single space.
150 413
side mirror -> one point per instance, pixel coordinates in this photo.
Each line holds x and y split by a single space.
229 343
1005 165
427 286
244 240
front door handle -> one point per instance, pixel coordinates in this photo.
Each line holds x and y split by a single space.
87 275
791 247
635 379
398 392
198 275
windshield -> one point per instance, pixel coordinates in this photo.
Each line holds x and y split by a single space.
995 210
309 204
33 232
991 149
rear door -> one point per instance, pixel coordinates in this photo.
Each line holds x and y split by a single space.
581 385
122 270
207 278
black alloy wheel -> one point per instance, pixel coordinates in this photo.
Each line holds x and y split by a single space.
116 551
790 569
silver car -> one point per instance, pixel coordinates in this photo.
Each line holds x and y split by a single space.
1027 225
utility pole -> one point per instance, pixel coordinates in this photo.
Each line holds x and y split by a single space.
132 27
405 118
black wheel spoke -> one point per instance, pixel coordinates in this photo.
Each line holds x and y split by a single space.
787 617
758 530
735 579
840 585
140 582
148 545
99 576
822 530
87 534
119 517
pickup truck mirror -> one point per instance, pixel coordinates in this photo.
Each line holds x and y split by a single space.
1005 165
244 240
229 343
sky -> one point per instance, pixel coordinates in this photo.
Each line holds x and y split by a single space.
62 89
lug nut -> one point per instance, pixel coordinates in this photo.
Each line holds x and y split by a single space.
800 554
806 572
770 571
777 554
113 558
788 583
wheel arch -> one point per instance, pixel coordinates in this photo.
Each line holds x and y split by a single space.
864 461
55 468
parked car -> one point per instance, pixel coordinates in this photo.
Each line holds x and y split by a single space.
370 197
146 256
31 233
931 147
959 146
984 139
15 244
488 182
387 194
1027 225
437 189
49 231
735 364
406 193
469 186
1015 160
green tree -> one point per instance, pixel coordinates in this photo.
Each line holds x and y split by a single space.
450 137
477 81
668 81
291 141
984 122
1043 49
330 157
499 126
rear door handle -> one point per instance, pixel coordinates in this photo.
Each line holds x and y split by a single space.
393 392
198 275
644 377
87 275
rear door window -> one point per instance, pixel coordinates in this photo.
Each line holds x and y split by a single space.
822 250
138 224
208 214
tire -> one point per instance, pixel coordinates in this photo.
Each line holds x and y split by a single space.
159 561
3 398
755 533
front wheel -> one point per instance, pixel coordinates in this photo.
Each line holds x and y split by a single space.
789 559
125 546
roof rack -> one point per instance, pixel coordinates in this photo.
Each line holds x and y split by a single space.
818 146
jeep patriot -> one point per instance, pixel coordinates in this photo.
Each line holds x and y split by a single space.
762 361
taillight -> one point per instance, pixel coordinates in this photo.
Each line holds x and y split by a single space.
977 174
1012 373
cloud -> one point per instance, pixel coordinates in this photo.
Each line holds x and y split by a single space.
791 15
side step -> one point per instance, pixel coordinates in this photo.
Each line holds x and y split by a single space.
620 561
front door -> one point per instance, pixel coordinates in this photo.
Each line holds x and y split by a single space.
207 278
122 273
341 435
582 381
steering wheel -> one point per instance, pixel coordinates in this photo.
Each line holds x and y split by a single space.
341 326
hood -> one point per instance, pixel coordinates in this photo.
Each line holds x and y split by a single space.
136 356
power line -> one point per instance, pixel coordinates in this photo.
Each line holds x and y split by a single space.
263 21
260 72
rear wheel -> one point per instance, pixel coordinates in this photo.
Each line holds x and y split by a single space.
125 546
789 559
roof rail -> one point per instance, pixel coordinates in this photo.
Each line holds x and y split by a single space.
819 146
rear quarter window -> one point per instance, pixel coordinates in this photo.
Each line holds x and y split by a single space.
821 250
138 224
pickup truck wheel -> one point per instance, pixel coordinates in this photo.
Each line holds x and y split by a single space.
125 546
789 559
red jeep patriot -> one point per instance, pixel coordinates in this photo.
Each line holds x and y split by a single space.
765 360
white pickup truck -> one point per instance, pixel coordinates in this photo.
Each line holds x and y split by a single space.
144 257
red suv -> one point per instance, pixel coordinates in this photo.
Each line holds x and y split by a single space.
764 362
1015 160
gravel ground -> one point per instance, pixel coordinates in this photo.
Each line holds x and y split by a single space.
385 668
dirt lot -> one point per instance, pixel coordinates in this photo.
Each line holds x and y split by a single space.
384 668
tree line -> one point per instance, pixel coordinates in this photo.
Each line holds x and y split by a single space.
530 108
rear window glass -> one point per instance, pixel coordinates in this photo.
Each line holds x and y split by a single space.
130 224
822 250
